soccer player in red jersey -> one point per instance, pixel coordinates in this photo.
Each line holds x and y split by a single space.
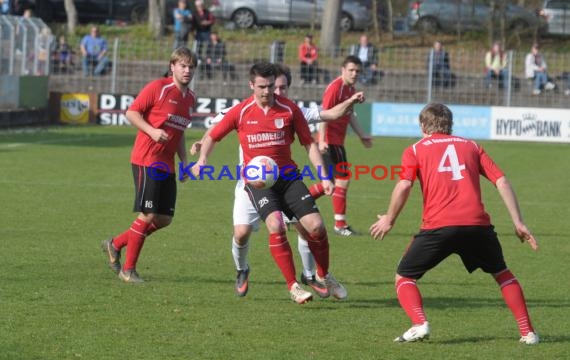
266 124
331 140
161 113
454 220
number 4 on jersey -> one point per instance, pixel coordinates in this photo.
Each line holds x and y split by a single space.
450 157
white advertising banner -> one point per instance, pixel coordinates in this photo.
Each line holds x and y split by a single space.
530 124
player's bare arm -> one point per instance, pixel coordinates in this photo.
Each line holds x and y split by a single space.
323 145
398 200
206 149
342 108
197 145
510 199
317 160
365 139
136 119
182 155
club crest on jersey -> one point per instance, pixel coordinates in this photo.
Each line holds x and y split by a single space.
279 123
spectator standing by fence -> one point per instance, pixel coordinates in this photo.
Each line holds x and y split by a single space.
368 54
496 66
438 64
94 52
308 56
182 24
203 20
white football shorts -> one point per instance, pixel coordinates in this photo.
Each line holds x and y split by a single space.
244 212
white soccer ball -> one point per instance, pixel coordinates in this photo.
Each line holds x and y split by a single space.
261 172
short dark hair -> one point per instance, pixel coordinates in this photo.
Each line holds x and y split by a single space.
352 59
282 69
262 69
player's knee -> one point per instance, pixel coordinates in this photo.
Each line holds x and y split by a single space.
316 229
241 235
162 221
274 223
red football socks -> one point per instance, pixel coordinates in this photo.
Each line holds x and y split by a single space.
339 206
316 190
411 300
514 298
121 241
283 256
137 234
319 246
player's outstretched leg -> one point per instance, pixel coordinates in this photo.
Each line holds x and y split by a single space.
411 301
309 266
514 298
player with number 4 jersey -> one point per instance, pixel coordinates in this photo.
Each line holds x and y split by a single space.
454 219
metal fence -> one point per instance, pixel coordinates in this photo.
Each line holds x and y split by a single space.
25 46
404 73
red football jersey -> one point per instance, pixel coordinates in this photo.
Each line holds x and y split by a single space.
163 106
270 134
448 168
335 94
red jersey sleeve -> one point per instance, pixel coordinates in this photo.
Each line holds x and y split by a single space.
226 125
146 98
488 168
301 127
410 165
330 96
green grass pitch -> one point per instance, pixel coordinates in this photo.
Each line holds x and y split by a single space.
64 190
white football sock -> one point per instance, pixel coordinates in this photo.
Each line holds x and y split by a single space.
306 257
240 255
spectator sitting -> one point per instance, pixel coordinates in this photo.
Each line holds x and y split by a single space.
182 24
440 69
308 56
566 77
535 68
63 55
216 58
202 21
94 52
4 7
368 54
496 66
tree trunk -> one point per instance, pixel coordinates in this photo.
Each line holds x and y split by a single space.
71 13
156 21
376 22
330 32
390 20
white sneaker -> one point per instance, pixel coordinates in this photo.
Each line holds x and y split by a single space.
336 289
415 333
549 86
299 295
567 92
536 92
529 339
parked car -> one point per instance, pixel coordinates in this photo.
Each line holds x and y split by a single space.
100 10
248 13
556 14
447 15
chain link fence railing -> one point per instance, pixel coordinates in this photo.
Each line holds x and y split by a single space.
25 46
403 72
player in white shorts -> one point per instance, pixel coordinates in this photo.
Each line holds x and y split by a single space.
245 217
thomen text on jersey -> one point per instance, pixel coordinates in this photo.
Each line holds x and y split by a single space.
341 171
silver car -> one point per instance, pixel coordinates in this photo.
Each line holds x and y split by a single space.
447 15
557 16
248 13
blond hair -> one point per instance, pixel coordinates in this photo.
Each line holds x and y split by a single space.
436 119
